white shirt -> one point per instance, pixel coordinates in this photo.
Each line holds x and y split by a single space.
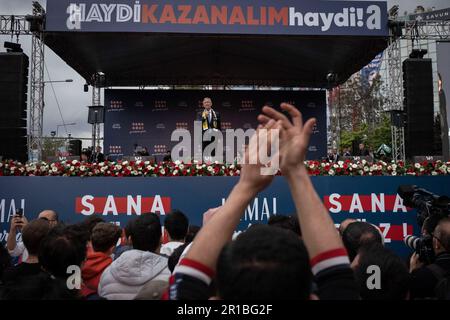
170 247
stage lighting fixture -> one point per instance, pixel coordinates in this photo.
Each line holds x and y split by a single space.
12 47
418 53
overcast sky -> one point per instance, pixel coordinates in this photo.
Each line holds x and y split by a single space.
73 101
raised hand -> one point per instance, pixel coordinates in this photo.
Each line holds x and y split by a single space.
294 136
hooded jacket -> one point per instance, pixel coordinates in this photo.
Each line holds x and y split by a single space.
96 263
126 276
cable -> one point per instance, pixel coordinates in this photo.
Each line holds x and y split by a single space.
56 98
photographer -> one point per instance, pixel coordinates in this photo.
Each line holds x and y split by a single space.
425 279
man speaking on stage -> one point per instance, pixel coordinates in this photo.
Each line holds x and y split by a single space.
210 121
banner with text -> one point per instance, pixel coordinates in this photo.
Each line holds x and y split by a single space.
147 118
280 17
373 199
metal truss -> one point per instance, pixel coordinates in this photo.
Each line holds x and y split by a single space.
414 31
426 30
31 25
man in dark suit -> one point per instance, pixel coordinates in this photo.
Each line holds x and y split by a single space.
97 156
210 121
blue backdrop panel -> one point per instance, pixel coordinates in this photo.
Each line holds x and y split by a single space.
194 195
148 117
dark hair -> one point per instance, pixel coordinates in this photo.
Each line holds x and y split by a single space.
90 222
175 256
359 234
176 224
285 222
33 234
146 232
129 227
61 248
191 233
394 275
104 236
264 263
444 233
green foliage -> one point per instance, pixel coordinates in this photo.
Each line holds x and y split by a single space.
372 138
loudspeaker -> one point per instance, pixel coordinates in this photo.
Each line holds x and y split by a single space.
96 114
418 106
13 105
75 147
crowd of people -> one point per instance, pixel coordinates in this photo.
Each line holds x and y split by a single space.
301 256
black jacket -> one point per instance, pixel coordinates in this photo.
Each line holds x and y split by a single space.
213 124
423 280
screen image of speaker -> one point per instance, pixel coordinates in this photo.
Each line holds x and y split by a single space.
75 147
13 105
418 107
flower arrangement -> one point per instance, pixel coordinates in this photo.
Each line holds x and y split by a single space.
75 168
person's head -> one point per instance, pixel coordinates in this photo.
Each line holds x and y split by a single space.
50 215
361 146
441 237
146 233
264 263
285 222
191 233
105 236
207 103
127 230
61 248
84 156
176 224
344 224
90 222
98 149
33 233
359 234
391 282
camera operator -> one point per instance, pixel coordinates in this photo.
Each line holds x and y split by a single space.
425 279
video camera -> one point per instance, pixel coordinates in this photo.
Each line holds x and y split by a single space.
431 208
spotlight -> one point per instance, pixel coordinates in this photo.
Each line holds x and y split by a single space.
418 53
12 47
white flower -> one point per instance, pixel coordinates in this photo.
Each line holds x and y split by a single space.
216 162
394 166
340 163
125 163
322 164
181 166
177 162
448 169
138 162
354 166
335 166
311 166
210 169
331 172
389 168
103 169
394 173
175 172
129 168
101 164
198 167
147 163
422 169
54 169
417 165
72 168
119 167
364 162
434 173
82 168
366 169
74 162
361 172
1 164
163 172
150 168
232 166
